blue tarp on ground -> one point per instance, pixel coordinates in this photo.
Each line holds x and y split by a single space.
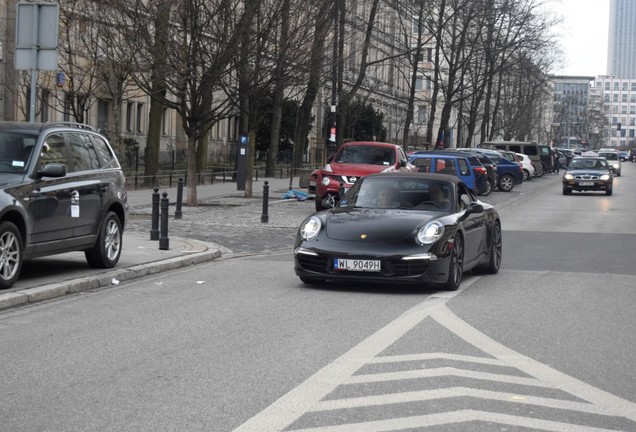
299 195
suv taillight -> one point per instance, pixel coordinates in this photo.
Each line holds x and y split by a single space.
481 170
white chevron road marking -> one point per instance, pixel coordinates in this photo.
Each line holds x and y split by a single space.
440 372
454 392
310 395
455 417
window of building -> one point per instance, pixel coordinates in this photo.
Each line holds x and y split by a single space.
165 122
634 86
624 98
129 116
419 83
44 105
68 107
615 97
607 86
606 97
416 25
631 133
624 87
421 113
616 86
139 118
102 114
632 109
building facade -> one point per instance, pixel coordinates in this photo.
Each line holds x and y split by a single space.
570 110
621 53
618 96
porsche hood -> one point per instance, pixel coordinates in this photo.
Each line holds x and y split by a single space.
372 224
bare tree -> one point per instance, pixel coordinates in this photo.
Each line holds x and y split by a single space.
79 56
196 68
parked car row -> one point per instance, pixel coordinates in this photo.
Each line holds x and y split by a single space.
481 169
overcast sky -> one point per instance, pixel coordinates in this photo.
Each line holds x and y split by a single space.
583 36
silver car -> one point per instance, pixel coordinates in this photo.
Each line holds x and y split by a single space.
614 160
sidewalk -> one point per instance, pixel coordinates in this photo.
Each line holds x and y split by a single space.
59 275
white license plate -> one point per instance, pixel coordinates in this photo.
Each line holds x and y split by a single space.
357 265
586 184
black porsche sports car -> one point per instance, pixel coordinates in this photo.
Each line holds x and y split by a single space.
401 228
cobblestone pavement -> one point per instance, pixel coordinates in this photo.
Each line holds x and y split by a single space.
234 223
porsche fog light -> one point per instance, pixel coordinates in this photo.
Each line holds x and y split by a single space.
325 181
430 233
310 228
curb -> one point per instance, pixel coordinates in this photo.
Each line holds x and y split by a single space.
110 278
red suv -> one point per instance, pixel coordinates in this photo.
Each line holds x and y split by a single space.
354 160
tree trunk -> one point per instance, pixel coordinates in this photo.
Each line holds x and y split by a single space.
191 155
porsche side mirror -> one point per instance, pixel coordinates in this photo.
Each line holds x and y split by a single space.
475 208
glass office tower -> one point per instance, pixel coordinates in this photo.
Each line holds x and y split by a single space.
621 53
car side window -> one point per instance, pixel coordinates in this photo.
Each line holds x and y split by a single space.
422 164
82 152
463 167
53 150
530 150
104 152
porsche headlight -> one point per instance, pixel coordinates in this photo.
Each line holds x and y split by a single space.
310 228
568 177
605 177
430 233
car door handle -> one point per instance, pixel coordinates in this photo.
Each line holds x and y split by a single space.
103 188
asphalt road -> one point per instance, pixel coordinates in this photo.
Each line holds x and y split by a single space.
241 344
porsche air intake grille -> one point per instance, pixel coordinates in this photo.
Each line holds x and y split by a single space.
409 268
313 263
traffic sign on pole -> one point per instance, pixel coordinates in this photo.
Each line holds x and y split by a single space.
36 36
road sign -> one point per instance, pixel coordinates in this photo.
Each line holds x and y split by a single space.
36 36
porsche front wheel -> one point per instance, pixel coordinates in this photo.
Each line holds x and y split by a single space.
456 265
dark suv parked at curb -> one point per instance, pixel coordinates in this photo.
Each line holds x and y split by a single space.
61 190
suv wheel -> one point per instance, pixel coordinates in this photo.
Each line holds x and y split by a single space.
107 249
506 183
10 254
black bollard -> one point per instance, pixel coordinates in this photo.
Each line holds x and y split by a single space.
177 212
265 216
154 228
164 241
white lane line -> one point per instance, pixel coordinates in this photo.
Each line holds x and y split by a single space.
301 399
613 404
444 371
455 417
456 392
436 356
